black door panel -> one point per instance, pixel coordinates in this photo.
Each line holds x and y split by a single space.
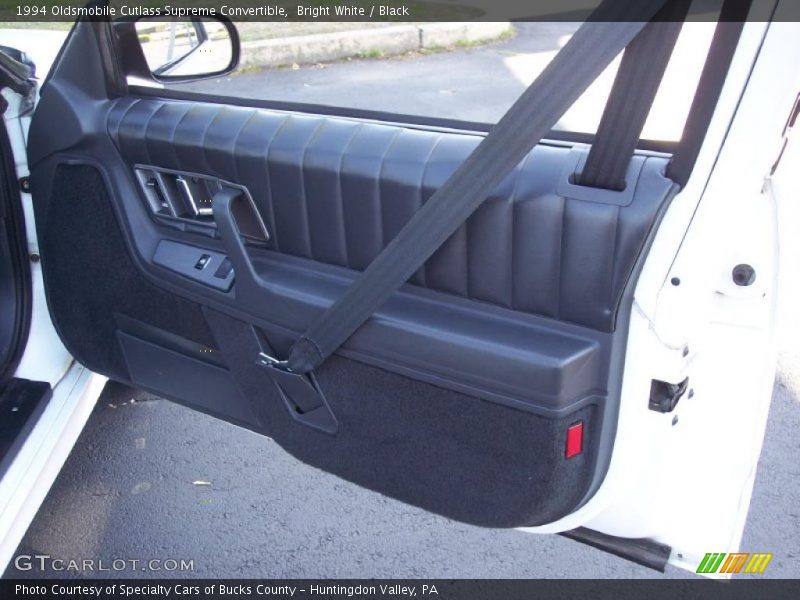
337 190
456 396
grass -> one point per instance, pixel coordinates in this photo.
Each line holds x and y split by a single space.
376 54
253 69
469 44
251 32
370 54
506 35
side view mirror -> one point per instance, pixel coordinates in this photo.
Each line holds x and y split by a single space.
187 49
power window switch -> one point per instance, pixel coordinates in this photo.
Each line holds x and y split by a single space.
202 262
224 269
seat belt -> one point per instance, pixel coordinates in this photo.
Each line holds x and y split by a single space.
639 76
730 25
607 32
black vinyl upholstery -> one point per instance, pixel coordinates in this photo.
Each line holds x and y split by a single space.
336 190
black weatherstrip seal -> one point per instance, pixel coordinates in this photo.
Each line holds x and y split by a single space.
13 221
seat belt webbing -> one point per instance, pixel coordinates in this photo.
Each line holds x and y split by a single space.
610 28
639 76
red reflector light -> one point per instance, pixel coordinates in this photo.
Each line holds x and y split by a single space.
574 440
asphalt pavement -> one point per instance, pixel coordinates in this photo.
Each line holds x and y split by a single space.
469 84
150 479
474 84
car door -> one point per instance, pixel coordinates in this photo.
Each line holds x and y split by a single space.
185 238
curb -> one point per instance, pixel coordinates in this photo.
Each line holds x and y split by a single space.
442 35
382 41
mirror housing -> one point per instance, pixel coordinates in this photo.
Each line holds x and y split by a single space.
180 50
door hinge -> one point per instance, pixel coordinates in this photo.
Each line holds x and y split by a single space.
664 396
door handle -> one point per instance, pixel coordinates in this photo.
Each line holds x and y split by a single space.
300 393
223 207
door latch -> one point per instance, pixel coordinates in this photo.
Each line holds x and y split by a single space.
664 396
